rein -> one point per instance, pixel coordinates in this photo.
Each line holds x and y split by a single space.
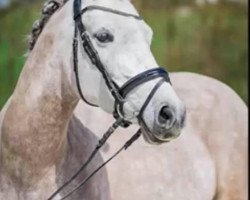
118 93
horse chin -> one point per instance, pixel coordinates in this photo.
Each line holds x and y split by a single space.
150 138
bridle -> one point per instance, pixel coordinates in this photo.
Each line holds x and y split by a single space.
119 93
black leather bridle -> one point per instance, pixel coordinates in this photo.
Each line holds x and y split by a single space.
118 93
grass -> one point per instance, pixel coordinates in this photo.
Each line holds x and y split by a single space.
211 40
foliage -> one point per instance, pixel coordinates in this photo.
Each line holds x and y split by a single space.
14 30
209 40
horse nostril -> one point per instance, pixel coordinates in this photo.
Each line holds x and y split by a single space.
166 116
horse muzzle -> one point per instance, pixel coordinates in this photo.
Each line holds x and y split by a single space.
166 127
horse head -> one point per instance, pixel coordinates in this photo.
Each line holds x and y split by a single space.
116 70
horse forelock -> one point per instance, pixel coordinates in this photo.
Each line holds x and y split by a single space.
49 8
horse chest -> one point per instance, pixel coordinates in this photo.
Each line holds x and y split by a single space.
182 169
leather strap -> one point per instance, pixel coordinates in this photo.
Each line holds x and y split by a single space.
105 9
143 78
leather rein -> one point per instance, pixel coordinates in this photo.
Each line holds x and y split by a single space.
118 93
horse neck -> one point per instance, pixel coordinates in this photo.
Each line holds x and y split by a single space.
35 123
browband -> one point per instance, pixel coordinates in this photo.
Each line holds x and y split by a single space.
89 8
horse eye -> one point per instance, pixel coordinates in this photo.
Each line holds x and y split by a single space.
104 37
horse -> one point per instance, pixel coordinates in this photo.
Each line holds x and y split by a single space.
97 51
208 161
217 121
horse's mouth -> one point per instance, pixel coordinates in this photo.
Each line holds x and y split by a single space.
160 136
151 138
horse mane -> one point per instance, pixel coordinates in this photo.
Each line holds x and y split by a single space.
49 8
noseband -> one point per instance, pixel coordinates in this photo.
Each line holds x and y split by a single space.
118 93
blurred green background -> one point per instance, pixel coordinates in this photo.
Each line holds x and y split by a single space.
203 36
